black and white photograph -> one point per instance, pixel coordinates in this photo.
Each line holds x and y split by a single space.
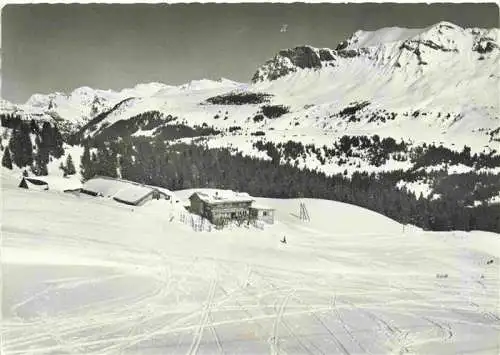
250 178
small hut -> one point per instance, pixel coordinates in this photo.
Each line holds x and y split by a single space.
33 184
262 213
124 191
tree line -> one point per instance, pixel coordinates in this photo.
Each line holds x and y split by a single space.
182 166
462 202
31 143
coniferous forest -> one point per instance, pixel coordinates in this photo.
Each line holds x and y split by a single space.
48 142
157 161
183 166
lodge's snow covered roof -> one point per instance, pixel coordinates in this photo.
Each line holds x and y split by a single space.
57 183
63 183
123 190
35 181
32 183
261 207
105 186
223 196
133 193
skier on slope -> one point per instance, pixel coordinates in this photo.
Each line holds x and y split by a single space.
283 240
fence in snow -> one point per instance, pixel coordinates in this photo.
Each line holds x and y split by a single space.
198 223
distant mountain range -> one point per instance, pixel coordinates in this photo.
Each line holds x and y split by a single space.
401 121
438 84
395 99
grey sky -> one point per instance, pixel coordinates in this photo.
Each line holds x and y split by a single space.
61 47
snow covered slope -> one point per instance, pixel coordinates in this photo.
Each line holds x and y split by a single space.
435 85
414 51
78 107
85 103
86 275
443 77
438 84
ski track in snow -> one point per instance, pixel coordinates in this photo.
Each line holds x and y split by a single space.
130 292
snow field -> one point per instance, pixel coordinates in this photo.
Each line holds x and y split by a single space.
88 275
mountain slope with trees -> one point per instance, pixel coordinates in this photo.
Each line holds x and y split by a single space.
394 117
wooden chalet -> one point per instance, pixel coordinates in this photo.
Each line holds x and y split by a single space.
221 208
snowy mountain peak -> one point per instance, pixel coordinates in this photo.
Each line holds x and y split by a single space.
290 60
363 39
390 47
408 80
83 91
205 84
441 31
6 106
144 89
43 100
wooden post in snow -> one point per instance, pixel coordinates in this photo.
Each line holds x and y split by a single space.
304 214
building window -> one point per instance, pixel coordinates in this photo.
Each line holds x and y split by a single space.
264 213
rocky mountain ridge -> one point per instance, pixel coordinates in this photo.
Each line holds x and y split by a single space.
437 85
391 47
